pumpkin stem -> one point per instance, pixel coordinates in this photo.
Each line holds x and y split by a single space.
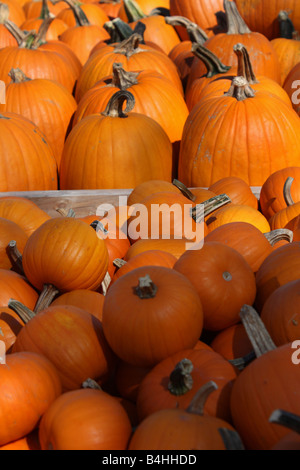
256 331
184 190
80 16
231 439
15 257
129 46
287 419
212 63
91 383
4 13
287 191
18 76
279 234
200 211
105 283
24 39
64 212
45 12
46 296
118 262
198 402
286 27
195 33
146 289
245 68
241 362
240 89
21 310
119 30
114 107
133 11
123 79
40 37
235 23
181 381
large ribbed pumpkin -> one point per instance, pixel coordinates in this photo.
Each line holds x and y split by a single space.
101 149
221 135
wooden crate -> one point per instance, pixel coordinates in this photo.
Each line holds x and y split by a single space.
83 202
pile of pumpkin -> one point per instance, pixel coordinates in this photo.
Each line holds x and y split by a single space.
115 339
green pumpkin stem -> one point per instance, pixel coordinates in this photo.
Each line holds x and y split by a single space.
146 289
45 298
79 15
45 12
256 331
180 380
133 11
15 257
195 33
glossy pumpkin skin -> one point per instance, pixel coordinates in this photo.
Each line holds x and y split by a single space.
288 52
85 420
209 135
280 313
224 282
279 268
69 243
73 340
27 161
270 382
25 375
172 429
180 311
15 286
148 157
153 393
245 238
271 195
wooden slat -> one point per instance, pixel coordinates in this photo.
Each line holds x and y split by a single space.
83 202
